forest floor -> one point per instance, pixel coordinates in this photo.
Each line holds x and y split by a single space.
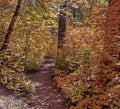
10 100
47 96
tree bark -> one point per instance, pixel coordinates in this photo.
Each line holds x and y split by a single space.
11 26
62 25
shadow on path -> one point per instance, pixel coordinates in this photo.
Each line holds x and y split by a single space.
47 96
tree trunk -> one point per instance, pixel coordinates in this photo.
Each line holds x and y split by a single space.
62 25
11 26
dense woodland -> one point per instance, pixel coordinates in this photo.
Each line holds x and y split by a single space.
82 36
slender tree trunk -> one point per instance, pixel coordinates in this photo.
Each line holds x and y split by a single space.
11 26
62 25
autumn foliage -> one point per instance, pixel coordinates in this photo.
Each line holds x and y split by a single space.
24 41
88 64
87 34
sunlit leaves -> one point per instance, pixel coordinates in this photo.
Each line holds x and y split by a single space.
29 42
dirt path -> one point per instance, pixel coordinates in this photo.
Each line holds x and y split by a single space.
47 96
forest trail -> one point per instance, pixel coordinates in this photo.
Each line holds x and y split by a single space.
47 96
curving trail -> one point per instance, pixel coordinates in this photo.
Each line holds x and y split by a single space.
47 96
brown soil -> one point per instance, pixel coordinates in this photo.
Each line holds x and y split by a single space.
47 96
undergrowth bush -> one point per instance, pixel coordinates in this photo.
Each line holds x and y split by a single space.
12 73
77 63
